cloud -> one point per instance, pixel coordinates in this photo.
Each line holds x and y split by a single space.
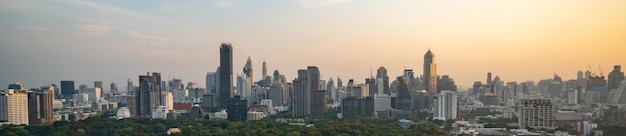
34 28
147 39
95 29
321 3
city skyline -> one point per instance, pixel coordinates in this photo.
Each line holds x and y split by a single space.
112 41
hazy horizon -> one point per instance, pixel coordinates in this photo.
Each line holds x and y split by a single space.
44 42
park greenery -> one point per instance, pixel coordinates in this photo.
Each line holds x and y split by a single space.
104 126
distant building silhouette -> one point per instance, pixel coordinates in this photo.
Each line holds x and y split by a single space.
382 81
68 89
615 77
307 81
148 96
226 74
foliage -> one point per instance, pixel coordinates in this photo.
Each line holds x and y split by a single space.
268 126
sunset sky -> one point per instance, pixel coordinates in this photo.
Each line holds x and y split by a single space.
43 42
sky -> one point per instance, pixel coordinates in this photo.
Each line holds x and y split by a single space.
44 42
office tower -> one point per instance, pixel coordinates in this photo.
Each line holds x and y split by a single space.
330 88
598 84
359 91
381 76
17 86
276 94
237 109
555 88
404 96
619 96
382 102
98 84
445 107
476 88
226 74
40 106
371 83
113 87
318 103
264 69
511 89
430 73
14 107
572 96
94 94
148 95
67 89
489 81
174 84
248 70
307 81
167 99
446 83
211 82
129 86
536 113
353 107
244 88
615 77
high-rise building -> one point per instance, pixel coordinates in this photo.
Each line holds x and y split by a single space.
383 79
226 74
615 77
40 106
113 87
404 96
382 102
248 69
167 100
67 89
430 73
148 96
237 109
264 69
536 113
489 81
446 83
307 81
445 105
244 88
318 103
619 96
98 84
94 94
211 81
14 107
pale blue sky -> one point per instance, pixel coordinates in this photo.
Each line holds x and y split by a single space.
47 41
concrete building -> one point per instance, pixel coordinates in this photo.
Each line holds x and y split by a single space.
167 100
68 89
382 81
615 77
226 74
536 113
430 73
318 103
40 106
307 81
14 107
620 94
237 109
382 102
445 105
148 95
94 94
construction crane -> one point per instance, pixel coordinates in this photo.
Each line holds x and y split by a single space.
601 73
593 73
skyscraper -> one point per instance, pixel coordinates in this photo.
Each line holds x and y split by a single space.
211 82
13 108
264 69
404 96
226 74
445 105
129 86
489 81
67 89
615 77
381 76
148 97
248 70
98 84
40 106
430 73
307 81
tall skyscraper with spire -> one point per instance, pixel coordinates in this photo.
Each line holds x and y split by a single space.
247 69
430 73
226 74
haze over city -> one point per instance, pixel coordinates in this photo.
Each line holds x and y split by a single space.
43 42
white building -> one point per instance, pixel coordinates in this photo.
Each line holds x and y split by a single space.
94 94
585 127
381 102
168 100
81 98
160 112
244 88
445 105
123 112
572 96
13 108
619 96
